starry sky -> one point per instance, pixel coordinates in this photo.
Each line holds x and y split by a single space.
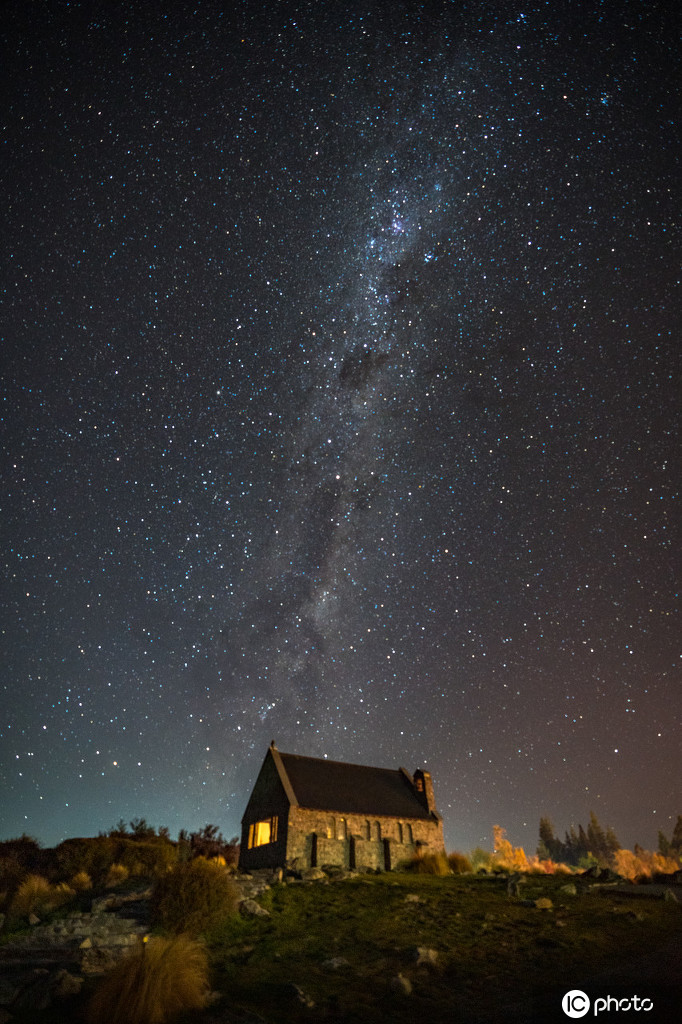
340 396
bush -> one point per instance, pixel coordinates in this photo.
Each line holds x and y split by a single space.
161 979
459 863
429 864
36 895
81 881
193 897
481 860
117 874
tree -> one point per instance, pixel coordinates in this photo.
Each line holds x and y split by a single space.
549 848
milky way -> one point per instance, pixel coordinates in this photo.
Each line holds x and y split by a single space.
341 406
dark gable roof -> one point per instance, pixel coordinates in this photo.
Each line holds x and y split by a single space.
352 788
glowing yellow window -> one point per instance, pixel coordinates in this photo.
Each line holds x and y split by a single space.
263 832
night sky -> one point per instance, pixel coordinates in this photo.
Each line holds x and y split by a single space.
341 391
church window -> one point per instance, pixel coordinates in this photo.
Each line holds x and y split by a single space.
400 831
263 832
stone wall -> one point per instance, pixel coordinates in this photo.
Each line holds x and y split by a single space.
320 837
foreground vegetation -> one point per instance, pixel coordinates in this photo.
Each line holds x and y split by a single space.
458 938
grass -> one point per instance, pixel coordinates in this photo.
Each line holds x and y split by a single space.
163 978
494 952
498 959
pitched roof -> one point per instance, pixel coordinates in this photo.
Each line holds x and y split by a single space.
351 788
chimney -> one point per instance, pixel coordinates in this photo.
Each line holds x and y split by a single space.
424 788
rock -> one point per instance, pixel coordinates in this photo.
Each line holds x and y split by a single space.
335 963
86 943
277 876
543 903
313 875
36 996
401 985
425 957
669 896
66 984
412 897
294 992
33 920
249 908
569 889
8 991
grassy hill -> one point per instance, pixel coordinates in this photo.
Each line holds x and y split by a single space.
496 957
422 949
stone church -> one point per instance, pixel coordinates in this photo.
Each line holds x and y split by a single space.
309 812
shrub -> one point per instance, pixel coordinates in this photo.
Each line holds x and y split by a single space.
34 894
481 860
459 863
81 881
429 864
193 897
117 874
161 979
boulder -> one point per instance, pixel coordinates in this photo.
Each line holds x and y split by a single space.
669 896
297 993
66 984
569 889
424 956
543 903
313 875
249 908
401 985
335 963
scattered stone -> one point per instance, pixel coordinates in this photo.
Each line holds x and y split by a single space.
401 985
66 984
249 908
8 992
277 876
569 889
425 956
412 897
313 875
36 996
543 903
335 963
33 920
294 992
670 897
86 943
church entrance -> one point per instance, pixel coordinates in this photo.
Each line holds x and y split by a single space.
387 854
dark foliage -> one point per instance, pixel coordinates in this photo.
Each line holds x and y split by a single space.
578 846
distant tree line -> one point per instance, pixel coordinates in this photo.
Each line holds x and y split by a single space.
580 847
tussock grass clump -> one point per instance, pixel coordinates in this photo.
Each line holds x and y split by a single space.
429 864
162 978
116 875
81 881
193 897
34 895
459 863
